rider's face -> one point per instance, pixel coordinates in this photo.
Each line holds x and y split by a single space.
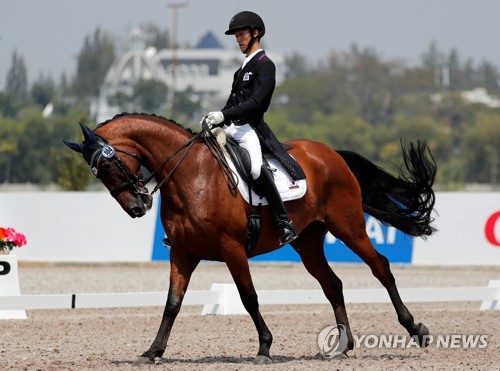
243 38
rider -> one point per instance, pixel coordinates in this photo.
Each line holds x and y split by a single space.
243 114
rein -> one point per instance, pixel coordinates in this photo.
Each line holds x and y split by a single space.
138 182
189 144
214 148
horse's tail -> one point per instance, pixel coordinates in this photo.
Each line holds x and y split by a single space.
404 201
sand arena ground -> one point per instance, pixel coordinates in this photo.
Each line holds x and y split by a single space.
110 339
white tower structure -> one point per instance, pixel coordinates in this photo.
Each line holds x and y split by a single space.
207 69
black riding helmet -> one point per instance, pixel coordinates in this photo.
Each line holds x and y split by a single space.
244 20
247 20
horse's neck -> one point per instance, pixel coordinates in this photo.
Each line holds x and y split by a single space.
158 141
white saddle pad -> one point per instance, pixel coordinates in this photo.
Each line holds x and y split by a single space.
288 188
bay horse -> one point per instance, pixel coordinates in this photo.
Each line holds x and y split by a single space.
205 220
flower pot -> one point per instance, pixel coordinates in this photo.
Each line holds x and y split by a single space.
9 285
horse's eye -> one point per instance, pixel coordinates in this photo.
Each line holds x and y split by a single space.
105 166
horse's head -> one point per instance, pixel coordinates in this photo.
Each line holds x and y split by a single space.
120 174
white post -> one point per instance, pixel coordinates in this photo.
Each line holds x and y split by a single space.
9 285
230 302
492 304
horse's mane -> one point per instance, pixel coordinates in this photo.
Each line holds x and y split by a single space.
146 115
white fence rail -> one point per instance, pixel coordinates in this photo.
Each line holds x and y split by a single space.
224 298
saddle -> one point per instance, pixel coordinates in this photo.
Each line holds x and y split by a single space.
241 159
239 162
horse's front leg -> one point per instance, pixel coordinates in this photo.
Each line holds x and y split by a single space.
182 265
240 271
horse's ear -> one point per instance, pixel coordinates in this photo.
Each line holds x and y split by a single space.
74 146
87 133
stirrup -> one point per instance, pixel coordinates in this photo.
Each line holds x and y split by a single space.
289 234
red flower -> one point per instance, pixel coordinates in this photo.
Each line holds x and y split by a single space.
9 239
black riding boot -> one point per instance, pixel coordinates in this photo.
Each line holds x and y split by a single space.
264 185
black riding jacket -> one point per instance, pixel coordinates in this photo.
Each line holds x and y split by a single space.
251 93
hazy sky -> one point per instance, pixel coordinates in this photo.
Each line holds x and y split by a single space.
50 33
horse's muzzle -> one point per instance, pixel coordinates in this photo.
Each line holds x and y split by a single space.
137 212
144 204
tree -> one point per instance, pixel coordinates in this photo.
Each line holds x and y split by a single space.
17 80
296 66
43 91
350 133
482 149
488 77
63 87
68 169
188 103
93 62
10 131
156 37
305 97
121 100
433 58
370 83
70 172
31 159
8 107
149 95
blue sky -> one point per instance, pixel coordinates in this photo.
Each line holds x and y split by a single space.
49 34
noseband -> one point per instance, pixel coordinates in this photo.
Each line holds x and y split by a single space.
135 182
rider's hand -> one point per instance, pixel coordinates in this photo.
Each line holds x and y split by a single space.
214 118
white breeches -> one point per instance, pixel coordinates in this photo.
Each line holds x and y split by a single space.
247 138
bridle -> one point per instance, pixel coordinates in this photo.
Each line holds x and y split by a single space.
137 182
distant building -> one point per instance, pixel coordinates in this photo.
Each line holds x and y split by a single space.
481 96
207 68
474 96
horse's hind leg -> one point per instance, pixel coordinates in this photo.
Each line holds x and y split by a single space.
182 266
310 248
381 269
240 271
353 234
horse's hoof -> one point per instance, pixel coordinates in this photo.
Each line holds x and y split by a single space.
423 335
340 356
262 360
144 361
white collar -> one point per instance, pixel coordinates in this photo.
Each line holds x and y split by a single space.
247 59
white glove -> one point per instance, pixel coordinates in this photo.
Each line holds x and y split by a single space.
214 118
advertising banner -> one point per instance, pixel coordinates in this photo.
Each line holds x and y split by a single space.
468 231
389 241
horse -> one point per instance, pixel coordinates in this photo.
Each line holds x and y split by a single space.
206 220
